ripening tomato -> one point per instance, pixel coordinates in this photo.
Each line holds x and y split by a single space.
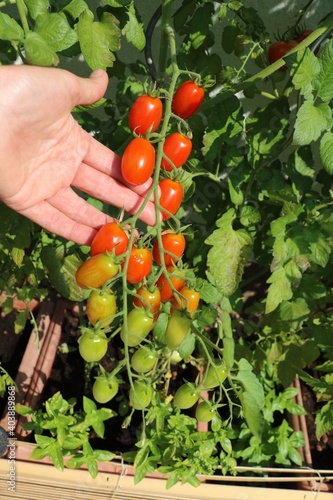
187 99
139 323
140 264
176 330
205 412
177 148
93 346
173 246
138 161
110 238
104 389
215 375
101 307
186 396
145 114
189 300
280 49
177 278
140 395
149 298
96 271
171 197
144 359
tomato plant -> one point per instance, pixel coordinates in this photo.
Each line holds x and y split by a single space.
145 114
139 323
140 264
93 346
110 238
173 247
104 389
177 280
177 148
101 307
171 197
140 395
186 396
138 161
187 99
96 271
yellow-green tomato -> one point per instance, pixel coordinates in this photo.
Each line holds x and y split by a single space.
176 330
139 324
214 376
205 412
104 389
93 346
186 396
144 360
101 307
140 395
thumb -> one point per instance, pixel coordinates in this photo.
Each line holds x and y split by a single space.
92 89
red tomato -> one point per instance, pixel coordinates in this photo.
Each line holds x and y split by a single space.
177 148
145 114
171 197
189 300
177 281
138 161
96 271
139 265
279 49
111 237
303 35
187 99
173 246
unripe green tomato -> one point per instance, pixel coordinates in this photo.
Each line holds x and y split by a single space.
140 395
93 346
144 360
215 376
104 390
186 397
177 328
139 324
204 412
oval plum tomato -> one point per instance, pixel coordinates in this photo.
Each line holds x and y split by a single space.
173 246
280 49
138 161
140 395
96 271
189 300
171 197
205 412
303 35
148 298
145 114
140 264
186 396
176 330
93 346
187 99
101 307
110 238
139 323
177 148
104 389
215 375
144 359
177 279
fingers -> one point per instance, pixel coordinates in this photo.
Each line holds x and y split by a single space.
90 90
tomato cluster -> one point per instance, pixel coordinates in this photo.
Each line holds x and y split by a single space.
150 270
280 48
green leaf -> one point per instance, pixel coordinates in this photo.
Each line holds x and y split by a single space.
10 29
98 40
324 81
324 420
37 7
279 290
38 51
225 259
56 31
134 29
326 151
117 3
311 122
252 413
250 382
75 8
307 69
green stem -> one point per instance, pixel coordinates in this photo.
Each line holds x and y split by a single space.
22 10
164 45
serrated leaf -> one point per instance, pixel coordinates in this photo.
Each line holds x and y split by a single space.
20 321
54 28
252 413
18 255
311 122
38 52
10 29
279 290
308 68
326 151
250 382
324 81
324 420
75 8
117 3
35 8
98 40
134 29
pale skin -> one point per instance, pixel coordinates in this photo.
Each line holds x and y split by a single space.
44 153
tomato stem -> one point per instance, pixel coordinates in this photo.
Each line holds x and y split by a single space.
22 10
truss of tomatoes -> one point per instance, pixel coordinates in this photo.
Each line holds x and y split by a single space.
280 48
110 254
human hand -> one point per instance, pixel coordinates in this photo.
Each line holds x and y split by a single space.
44 153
